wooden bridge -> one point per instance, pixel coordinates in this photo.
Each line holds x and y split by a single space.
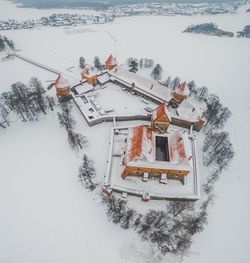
33 62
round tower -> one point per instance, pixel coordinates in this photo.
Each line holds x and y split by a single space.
62 86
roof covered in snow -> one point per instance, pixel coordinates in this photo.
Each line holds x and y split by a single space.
182 89
139 144
178 148
187 111
61 82
143 84
103 78
111 61
89 71
84 87
140 149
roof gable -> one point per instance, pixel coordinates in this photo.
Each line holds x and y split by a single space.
182 89
111 61
161 114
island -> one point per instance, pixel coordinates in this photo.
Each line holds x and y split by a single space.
208 29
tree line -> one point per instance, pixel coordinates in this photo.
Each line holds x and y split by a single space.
96 62
170 230
77 142
26 101
6 43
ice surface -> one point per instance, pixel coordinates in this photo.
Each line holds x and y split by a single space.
45 215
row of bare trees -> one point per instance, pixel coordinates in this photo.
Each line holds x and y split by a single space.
26 101
76 140
87 173
141 63
218 150
218 153
170 230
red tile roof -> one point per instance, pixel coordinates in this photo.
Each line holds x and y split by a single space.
161 110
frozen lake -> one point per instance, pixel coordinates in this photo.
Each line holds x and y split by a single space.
54 228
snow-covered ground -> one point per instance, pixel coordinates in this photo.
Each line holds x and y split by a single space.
124 103
46 216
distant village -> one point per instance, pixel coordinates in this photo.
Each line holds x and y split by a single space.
109 14
56 20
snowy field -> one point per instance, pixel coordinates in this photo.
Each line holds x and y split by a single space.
46 216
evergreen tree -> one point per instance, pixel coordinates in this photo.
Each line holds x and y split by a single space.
192 87
129 59
97 63
6 43
157 72
82 62
9 43
133 66
2 44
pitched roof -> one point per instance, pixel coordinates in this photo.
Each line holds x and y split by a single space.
139 144
178 148
182 89
111 61
144 85
188 111
161 110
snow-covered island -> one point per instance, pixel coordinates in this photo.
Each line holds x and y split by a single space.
208 29
139 156
155 159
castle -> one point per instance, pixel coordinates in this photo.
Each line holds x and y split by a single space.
163 150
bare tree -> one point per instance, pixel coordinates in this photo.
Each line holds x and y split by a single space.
38 94
87 173
201 94
175 83
76 140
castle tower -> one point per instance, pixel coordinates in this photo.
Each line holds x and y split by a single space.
181 92
89 74
110 63
161 118
62 86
